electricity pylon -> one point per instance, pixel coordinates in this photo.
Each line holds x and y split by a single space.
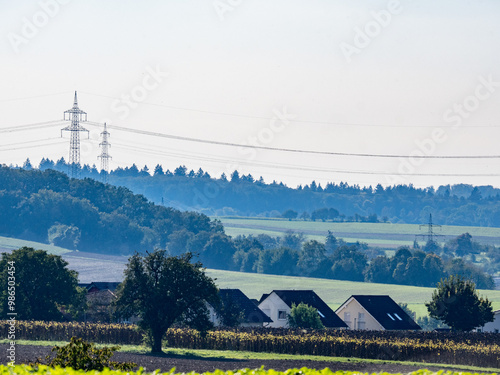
75 115
104 156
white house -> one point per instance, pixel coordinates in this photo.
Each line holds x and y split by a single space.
278 304
375 313
493 326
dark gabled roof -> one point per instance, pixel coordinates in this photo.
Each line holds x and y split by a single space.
309 297
264 296
103 285
387 312
250 310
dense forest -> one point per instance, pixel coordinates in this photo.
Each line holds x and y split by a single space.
248 196
85 214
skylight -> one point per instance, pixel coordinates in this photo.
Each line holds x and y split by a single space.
320 314
390 316
397 316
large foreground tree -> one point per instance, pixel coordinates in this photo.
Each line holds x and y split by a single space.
38 285
162 290
456 303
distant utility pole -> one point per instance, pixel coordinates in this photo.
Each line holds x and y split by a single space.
430 235
75 115
104 156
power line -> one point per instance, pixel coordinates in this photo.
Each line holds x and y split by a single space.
291 120
297 167
34 146
27 142
38 125
313 152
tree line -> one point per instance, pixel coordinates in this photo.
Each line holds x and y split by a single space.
247 195
335 259
84 214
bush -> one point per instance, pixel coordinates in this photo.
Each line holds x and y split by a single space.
82 355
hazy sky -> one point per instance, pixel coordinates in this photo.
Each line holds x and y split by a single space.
408 78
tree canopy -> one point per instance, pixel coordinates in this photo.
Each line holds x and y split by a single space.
162 290
456 303
42 283
304 316
48 206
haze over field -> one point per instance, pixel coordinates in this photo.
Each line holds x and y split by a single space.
407 78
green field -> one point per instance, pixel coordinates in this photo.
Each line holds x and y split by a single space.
333 292
375 234
7 243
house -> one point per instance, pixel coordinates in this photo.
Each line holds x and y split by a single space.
375 312
278 304
493 326
100 285
250 313
100 296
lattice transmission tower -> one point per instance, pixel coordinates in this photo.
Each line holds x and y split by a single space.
430 235
75 115
104 156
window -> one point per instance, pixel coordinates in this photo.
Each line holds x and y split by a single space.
361 317
361 325
397 316
281 315
390 316
347 317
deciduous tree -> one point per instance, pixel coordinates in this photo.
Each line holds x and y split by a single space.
162 290
456 303
40 282
304 316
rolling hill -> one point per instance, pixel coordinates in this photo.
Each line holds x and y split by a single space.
384 235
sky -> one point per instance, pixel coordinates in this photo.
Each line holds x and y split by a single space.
364 92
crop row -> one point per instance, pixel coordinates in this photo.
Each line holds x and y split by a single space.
473 349
44 370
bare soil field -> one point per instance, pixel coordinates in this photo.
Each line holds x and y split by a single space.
29 353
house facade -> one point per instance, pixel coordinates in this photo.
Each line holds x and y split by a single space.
493 326
250 314
278 304
375 313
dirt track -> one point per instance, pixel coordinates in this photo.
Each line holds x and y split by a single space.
29 353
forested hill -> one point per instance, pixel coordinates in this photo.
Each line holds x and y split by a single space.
245 195
47 206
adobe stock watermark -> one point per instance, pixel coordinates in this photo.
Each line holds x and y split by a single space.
139 93
456 115
363 37
277 124
222 7
31 26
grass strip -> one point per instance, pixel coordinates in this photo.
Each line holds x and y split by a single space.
230 354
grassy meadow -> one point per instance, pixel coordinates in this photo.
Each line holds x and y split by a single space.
7 244
375 234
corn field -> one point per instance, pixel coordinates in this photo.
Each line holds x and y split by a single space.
477 349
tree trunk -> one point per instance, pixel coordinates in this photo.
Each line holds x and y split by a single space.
157 336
